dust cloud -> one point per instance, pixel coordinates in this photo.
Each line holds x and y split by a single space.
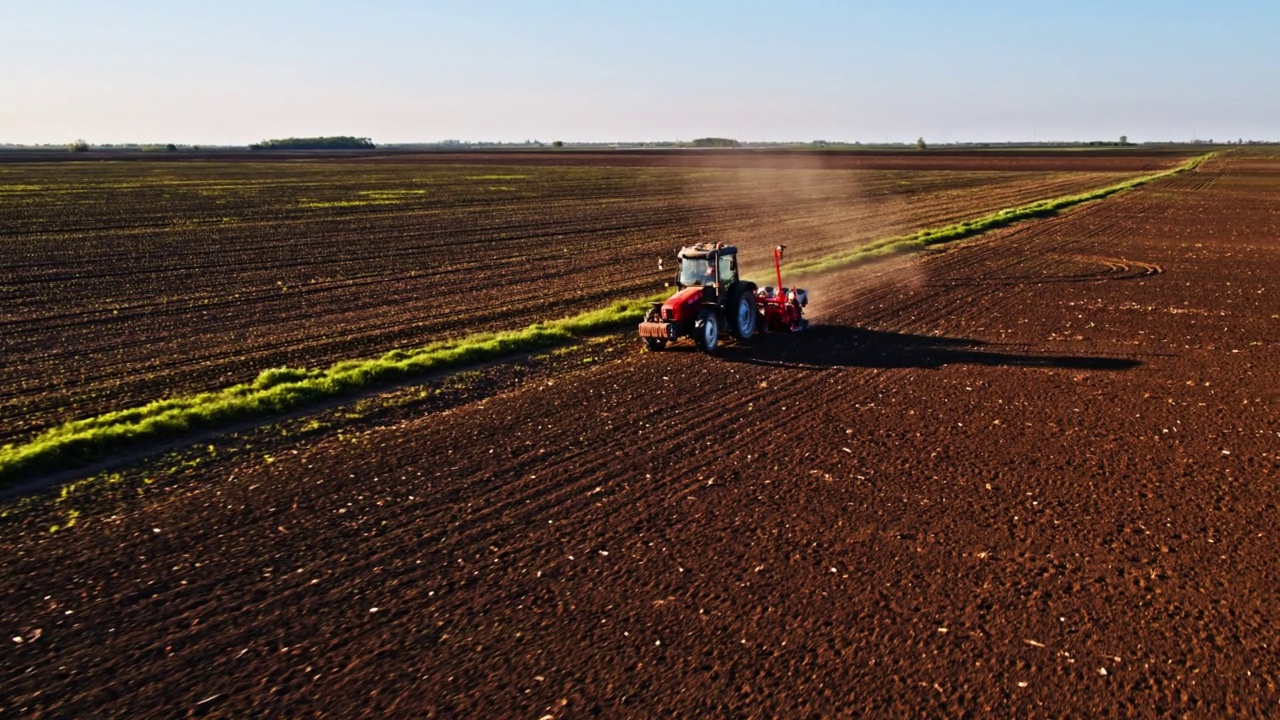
813 207
833 291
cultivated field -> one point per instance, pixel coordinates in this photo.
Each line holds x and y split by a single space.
1030 475
125 282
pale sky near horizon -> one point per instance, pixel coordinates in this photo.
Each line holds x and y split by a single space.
237 72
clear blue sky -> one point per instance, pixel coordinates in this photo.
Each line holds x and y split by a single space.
237 72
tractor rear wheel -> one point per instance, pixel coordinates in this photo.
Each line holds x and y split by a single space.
706 332
743 307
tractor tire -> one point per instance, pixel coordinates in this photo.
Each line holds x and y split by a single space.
706 332
743 313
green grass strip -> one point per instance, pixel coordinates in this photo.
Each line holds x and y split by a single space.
280 390
969 228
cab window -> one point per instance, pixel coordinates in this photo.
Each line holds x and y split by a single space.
728 269
695 271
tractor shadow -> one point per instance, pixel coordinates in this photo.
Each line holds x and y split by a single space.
831 346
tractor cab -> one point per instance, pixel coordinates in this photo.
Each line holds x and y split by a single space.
712 298
705 265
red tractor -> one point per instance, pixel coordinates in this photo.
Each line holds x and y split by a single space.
710 299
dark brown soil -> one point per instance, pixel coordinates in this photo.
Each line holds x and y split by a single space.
128 281
1031 476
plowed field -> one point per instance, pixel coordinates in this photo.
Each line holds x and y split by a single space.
124 282
1033 475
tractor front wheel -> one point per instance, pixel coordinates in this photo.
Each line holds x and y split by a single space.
706 333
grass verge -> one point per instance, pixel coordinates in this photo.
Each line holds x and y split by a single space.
279 390
969 228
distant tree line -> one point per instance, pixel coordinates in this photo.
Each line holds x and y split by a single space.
337 142
716 142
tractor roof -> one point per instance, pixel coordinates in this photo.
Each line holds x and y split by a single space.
706 251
